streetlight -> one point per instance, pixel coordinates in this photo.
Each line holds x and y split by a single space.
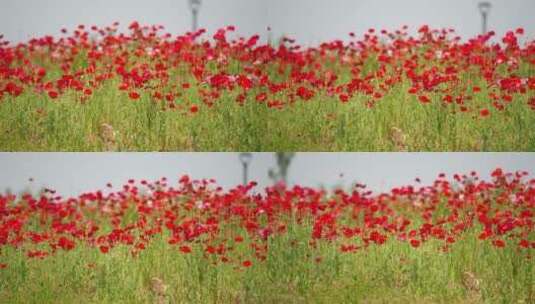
195 6
245 159
270 36
484 9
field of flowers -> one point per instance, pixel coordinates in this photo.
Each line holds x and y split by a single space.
97 89
458 240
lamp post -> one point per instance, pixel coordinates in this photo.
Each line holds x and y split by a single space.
245 159
484 9
270 36
195 6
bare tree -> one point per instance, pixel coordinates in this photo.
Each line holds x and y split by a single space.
484 10
195 6
280 174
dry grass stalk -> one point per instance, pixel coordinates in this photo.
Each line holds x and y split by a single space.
108 136
399 139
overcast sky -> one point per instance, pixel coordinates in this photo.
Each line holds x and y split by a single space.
310 21
74 173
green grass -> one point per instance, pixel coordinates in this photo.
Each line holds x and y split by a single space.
391 273
32 122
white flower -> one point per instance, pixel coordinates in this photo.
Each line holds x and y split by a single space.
201 205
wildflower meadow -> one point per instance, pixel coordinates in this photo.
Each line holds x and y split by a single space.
459 239
102 89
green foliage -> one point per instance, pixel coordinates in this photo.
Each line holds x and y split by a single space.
32 122
291 273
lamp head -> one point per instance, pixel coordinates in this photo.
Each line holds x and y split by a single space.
245 158
484 7
195 5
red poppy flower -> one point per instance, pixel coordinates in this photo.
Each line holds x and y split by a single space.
41 72
415 243
65 243
261 97
344 97
499 243
523 244
194 109
210 250
185 249
134 95
424 99
484 112
53 94
305 93
247 263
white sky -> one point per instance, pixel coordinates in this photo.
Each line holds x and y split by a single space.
313 21
310 21
73 173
